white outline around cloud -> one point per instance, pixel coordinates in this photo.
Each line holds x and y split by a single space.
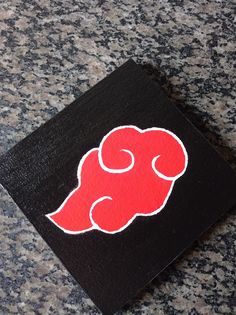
127 169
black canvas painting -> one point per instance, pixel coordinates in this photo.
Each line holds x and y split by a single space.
118 184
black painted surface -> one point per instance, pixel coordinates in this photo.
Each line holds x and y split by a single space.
40 171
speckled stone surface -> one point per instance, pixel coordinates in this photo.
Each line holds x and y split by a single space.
51 52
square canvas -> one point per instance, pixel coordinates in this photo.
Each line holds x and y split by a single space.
118 184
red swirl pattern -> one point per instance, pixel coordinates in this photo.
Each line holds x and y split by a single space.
131 174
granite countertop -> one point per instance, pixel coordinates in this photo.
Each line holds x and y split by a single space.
51 52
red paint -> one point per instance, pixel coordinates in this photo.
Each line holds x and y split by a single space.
115 186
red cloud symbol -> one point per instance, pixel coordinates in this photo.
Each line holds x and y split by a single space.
130 174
